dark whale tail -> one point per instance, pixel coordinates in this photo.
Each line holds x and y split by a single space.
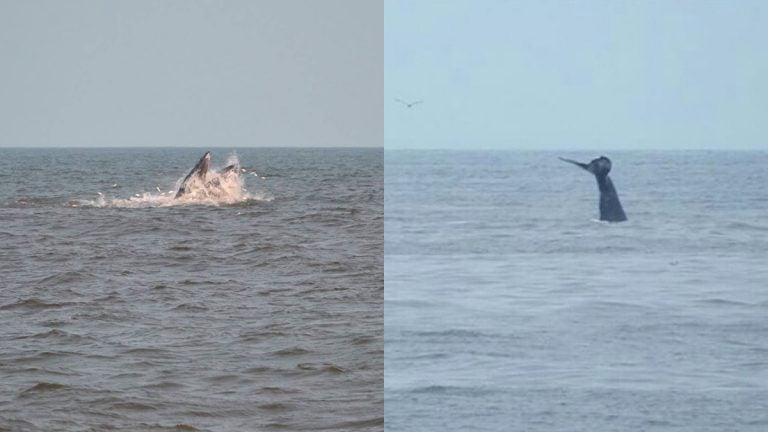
610 206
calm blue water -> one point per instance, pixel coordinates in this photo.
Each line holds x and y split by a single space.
508 307
145 315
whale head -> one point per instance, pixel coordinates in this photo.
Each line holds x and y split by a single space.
202 166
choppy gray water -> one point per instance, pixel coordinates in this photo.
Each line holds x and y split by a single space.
259 315
509 308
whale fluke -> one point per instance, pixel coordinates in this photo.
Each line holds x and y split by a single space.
610 206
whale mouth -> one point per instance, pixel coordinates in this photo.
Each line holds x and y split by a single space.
203 183
198 171
205 163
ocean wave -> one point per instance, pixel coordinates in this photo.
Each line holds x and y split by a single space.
34 304
167 199
44 387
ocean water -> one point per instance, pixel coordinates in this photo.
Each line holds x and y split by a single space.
510 308
123 309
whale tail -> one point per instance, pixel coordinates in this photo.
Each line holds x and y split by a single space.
578 164
610 206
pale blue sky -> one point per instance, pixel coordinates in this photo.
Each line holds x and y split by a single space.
582 74
202 73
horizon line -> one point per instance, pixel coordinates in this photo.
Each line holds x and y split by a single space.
188 147
571 150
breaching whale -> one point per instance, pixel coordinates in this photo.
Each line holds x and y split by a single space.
198 178
610 206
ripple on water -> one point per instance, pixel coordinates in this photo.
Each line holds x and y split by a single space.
43 356
320 367
133 406
186 428
64 278
43 387
59 336
189 307
275 406
290 352
35 304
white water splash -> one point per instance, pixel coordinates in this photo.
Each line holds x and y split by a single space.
215 189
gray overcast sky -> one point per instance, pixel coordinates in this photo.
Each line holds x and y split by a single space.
191 73
587 74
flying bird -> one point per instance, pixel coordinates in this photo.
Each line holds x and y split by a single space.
409 104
